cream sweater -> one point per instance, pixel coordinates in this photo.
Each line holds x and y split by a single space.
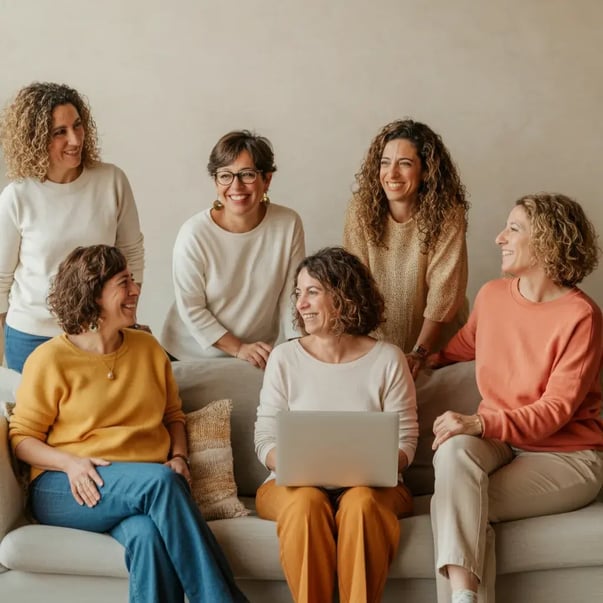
379 381
232 282
42 222
415 285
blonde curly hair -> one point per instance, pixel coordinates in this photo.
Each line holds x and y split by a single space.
26 124
441 196
562 238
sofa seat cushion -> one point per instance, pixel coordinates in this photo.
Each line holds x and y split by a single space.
566 540
50 550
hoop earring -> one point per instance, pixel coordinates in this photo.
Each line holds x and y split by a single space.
218 205
266 198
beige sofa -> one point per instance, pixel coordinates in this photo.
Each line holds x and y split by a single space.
551 559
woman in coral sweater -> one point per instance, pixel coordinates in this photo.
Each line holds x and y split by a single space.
535 446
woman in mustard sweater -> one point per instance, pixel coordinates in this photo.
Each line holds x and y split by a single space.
99 419
535 446
407 223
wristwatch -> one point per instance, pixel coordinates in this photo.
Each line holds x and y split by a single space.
420 351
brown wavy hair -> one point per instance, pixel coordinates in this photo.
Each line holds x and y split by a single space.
358 303
562 238
441 196
231 145
26 127
79 283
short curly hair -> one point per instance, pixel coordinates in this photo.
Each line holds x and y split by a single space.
79 283
441 196
562 238
231 145
358 303
26 128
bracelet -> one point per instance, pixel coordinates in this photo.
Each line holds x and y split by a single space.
421 351
183 457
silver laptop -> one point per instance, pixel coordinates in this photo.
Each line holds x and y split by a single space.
337 449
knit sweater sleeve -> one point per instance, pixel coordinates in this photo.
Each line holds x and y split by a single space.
447 272
273 399
129 238
188 267
564 389
399 396
354 238
10 242
298 252
38 396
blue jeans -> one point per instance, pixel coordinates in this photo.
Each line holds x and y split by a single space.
18 346
148 508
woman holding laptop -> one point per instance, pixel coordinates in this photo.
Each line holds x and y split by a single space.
349 532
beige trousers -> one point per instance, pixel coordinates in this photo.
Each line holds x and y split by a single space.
479 482
353 534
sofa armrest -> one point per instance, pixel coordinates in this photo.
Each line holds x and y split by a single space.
11 494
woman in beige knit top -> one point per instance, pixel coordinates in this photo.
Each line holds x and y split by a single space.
407 221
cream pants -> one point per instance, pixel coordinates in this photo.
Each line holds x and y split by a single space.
479 482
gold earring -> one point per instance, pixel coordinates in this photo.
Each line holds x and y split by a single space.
218 205
266 198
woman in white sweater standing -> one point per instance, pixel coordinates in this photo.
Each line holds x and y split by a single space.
232 263
61 196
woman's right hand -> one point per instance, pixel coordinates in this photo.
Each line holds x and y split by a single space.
255 353
271 459
85 480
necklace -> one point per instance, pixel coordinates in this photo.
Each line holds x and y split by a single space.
111 369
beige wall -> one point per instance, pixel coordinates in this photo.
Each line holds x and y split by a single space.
514 87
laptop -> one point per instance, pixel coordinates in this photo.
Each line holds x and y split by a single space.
337 449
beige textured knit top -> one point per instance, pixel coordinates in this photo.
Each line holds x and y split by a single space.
414 285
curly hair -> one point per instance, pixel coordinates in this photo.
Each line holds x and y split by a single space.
78 285
26 127
562 238
231 145
441 196
357 301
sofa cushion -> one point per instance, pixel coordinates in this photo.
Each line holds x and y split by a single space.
201 382
213 484
450 388
541 543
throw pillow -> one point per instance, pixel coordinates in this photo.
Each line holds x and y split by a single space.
214 488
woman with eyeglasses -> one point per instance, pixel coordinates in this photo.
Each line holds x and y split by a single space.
232 263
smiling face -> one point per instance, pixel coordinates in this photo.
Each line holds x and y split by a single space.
313 304
66 143
514 241
118 301
241 199
401 171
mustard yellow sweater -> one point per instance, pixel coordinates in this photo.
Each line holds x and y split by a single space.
66 400
415 285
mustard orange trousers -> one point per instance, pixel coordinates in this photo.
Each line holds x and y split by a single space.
353 534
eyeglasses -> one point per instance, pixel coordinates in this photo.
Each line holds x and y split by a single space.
248 176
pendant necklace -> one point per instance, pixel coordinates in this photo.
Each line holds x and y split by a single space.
111 369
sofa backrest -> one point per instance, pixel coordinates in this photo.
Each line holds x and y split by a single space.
203 381
452 387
